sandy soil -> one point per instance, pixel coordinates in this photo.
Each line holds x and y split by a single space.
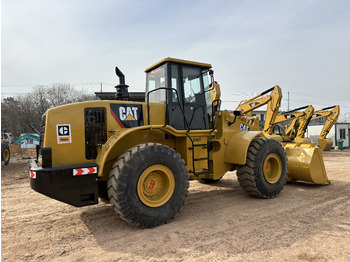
218 223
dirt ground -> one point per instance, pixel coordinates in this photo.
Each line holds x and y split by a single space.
218 223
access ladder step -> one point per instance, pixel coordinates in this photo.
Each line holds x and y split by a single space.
196 145
205 171
201 159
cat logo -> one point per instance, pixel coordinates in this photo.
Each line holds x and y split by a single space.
64 134
128 113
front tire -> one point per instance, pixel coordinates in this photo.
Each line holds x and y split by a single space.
148 185
265 172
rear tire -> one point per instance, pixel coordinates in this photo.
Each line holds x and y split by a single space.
5 153
148 185
265 172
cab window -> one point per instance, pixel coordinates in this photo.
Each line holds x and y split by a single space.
156 79
175 83
192 83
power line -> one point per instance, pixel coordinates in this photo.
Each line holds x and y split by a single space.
321 97
11 85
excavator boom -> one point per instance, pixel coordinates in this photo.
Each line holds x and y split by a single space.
297 127
332 117
247 106
273 101
303 123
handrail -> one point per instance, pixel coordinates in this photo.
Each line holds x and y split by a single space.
218 105
166 104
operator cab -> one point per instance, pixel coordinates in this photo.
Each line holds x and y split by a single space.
184 87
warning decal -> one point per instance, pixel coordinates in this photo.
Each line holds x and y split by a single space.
84 171
127 115
64 134
32 174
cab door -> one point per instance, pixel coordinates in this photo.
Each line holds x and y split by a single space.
188 81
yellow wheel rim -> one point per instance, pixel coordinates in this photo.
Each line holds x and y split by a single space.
156 185
6 154
272 168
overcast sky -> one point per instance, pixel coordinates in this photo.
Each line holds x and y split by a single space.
301 45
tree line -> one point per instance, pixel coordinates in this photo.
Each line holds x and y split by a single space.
18 113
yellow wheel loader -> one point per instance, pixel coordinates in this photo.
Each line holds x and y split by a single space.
332 117
7 147
139 156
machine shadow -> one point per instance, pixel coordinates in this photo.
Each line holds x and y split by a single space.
223 207
104 223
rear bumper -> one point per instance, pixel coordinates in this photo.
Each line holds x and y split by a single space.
75 185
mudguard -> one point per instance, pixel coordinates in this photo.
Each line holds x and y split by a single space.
237 147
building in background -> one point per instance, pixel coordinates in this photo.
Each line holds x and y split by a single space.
340 131
27 141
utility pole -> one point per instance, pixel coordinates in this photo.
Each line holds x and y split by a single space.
101 87
288 99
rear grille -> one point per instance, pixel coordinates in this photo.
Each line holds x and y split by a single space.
95 130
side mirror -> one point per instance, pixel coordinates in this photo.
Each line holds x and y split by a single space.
215 91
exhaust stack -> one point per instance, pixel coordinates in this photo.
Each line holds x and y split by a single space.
121 89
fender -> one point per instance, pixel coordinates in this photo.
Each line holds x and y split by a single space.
119 143
237 147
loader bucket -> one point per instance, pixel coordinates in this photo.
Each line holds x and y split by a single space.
305 163
325 143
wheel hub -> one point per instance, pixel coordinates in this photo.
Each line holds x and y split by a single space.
272 168
156 185
6 155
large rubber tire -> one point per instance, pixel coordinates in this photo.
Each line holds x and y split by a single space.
148 185
265 172
5 153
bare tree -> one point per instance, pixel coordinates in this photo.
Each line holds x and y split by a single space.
18 113
10 113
